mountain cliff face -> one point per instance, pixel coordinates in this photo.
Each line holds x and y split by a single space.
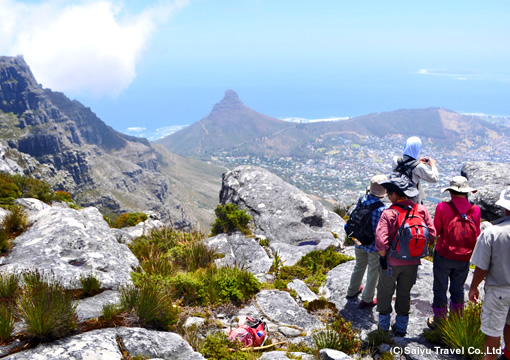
109 170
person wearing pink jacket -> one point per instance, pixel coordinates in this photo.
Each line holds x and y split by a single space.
453 247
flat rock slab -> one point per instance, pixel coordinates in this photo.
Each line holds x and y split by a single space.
92 307
281 308
103 345
71 243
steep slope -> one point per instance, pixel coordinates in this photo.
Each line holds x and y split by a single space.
109 170
230 124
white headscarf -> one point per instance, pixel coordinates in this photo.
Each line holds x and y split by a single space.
412 147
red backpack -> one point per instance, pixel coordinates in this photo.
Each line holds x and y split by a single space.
460 235
250 332
411 239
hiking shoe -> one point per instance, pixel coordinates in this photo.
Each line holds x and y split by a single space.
364 305
397 333
431 323
356 295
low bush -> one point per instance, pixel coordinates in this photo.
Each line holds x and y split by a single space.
109 312
34 188
46 307
7 318
463 331
5 243
216 346
230 219
64 196
15 221
90 284
313 267
339 337
9 286
152 305
9 191
129 219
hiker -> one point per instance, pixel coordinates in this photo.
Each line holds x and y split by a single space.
402 222
457 223
416 169
491 258
366 253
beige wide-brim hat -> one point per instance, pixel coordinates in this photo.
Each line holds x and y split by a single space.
504 199
460 184
376 189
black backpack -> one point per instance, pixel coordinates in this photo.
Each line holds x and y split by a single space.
359 225
406 167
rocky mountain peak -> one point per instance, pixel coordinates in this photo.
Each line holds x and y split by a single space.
230 101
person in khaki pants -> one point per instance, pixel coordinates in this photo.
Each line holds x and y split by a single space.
366 255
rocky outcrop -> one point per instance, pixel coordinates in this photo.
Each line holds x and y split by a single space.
490 179
242 251
109 344
109 170
294 223
70 243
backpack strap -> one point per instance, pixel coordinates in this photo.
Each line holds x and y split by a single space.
400 209
457 212
375 205
410 164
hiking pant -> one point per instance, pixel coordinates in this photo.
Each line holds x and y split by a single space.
448 270
402 280
363 260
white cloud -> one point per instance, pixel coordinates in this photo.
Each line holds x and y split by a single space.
82 47
135 129
460 75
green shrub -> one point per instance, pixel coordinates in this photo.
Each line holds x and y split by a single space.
5 243
109 311
192 255
192 288
216 347
236 284
313 267
7 318
46 307
8 189
90 284
230 219
9 286
15 221
151 303
34 188
463 331
378 337
129 219
64 196
341 337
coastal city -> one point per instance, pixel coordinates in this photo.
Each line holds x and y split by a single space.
339 169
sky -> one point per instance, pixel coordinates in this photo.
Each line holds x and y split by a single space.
147 68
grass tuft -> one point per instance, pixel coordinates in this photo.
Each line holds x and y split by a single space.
7 318
90 284
46 307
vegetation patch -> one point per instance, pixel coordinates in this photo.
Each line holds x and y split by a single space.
181 263
313 267
339 336
230 219
126 220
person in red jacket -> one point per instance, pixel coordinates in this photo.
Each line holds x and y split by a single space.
457 223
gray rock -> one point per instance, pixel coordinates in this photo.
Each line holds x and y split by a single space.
303 291
328 354
289 331
240 250
126 235
281 308
281 355
490 179
194 320
32 206
92 307
282 212
102 345
71 244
